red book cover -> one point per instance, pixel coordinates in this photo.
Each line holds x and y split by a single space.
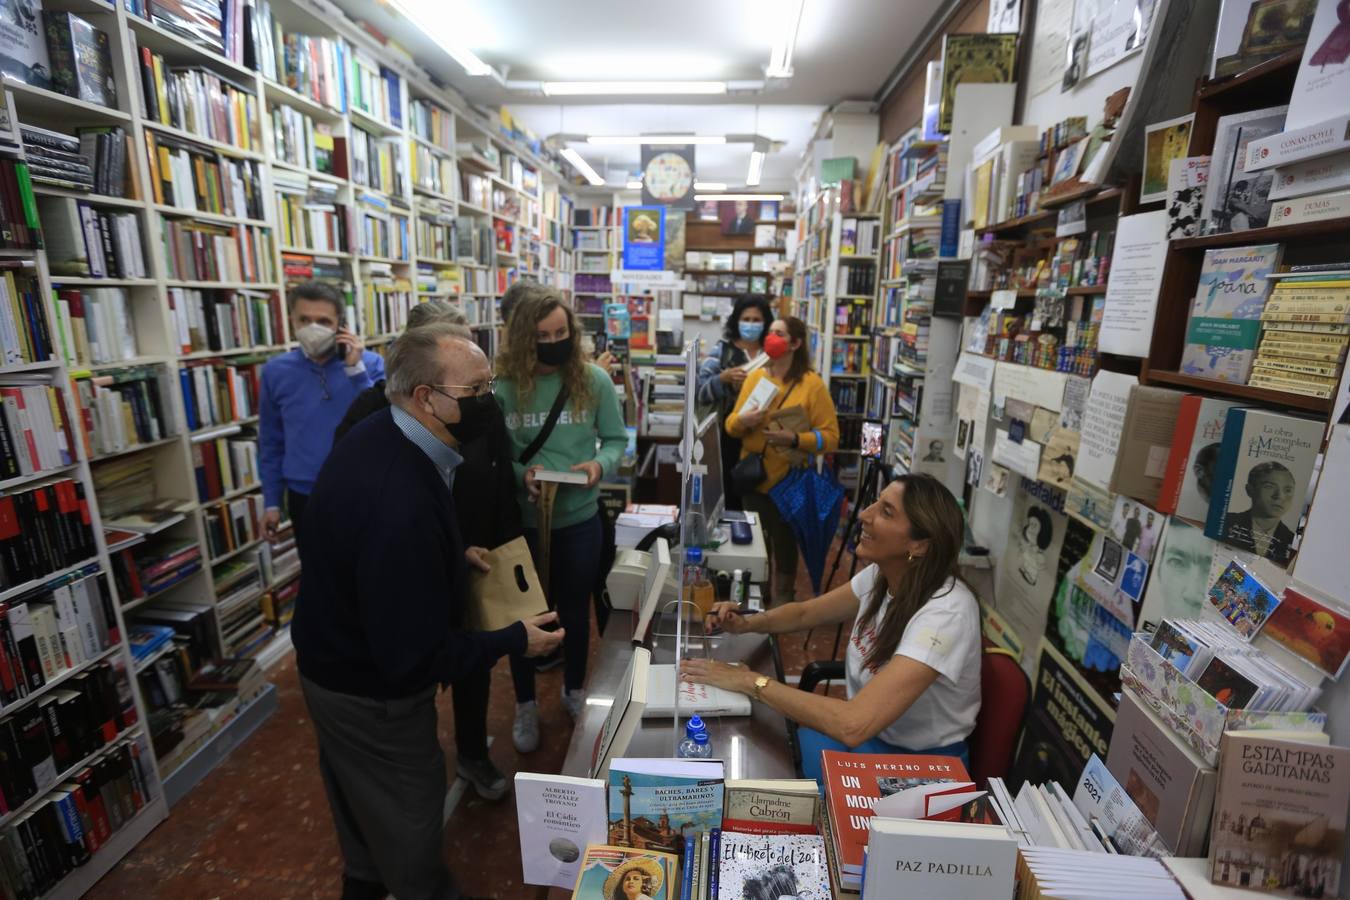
8 684
98 813
212 468
854 782
133 576
1170 492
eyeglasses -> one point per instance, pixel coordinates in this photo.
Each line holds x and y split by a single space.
481 389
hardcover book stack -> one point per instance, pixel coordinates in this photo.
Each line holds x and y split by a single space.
67 161
1305 327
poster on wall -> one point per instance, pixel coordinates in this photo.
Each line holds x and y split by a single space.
1005 16
644 238
668 175
1066 723
974 59
738 216
1026 573
1048 44
1119 29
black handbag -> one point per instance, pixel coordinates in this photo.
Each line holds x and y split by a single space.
749 472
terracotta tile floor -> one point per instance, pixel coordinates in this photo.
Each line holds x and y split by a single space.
258 826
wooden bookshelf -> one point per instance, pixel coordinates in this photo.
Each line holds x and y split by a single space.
1264 396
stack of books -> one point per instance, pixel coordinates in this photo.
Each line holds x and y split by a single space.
1305 326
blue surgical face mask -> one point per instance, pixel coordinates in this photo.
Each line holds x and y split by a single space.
750 331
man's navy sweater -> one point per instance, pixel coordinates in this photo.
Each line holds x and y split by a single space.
383 594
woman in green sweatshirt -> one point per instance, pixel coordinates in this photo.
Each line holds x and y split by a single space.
542 357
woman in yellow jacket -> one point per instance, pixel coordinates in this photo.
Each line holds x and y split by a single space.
789 370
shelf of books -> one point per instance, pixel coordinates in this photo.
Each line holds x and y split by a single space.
159 202
596 242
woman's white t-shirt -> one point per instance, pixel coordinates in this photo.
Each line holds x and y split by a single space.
945 635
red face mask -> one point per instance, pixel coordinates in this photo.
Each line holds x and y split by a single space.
775 345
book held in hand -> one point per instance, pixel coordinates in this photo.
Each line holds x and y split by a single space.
560 477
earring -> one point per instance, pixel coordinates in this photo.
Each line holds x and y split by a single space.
911 556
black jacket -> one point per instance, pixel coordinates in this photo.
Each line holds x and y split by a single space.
385 577
485 486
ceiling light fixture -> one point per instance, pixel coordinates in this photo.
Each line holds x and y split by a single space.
635 185
749 197
756 168
582 166
780 58
577 88
657 139
709 186
463 55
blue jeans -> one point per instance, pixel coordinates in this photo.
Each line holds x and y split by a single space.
574 563
812 742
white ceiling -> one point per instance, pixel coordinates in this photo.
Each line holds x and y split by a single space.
844 51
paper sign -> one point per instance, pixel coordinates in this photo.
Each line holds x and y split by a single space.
1132 289
976 371
1022 457
640 278
1039 387
1003 299
1102 423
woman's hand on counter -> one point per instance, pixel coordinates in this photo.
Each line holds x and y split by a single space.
719 674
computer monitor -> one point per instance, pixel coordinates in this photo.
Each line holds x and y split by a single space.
708 453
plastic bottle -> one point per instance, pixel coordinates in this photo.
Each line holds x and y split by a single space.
696 744
737 588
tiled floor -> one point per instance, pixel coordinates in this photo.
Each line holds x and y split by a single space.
259 827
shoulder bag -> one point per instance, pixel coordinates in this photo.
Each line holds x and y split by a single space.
749 472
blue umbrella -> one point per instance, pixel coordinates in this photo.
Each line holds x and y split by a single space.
810 503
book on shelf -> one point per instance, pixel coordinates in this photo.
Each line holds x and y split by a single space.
1323 175
1280 813
1223 328
123 408
206 251
81 58
36 429
1146 440
25 334
224 465
1193 457
559 816
1235 199
96 324
42 530
19 225
86 241
192 178
603 870
200 102
1261 481
1313 208
23 44
221 320
1169 782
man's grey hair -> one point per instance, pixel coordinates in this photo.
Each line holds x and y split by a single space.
438 310
415 358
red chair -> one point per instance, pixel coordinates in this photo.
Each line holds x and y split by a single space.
1005 692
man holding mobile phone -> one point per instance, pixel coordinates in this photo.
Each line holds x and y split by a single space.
304 395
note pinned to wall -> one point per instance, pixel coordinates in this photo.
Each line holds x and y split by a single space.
1102 423
1132 290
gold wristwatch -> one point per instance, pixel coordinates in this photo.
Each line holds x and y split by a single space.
760 684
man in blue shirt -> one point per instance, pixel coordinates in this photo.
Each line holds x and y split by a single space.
305 394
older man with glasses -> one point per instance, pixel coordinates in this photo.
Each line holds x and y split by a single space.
378 623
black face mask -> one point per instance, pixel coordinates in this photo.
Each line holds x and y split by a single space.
476 415
554 354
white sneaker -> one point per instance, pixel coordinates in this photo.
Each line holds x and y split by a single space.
525 729
574 702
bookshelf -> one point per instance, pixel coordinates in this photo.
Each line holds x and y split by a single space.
355 178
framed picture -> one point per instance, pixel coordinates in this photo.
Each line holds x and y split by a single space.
1163 143
738 216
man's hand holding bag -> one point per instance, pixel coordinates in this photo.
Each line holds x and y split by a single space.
509 592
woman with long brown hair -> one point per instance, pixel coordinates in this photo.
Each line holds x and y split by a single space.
796 385
558 407
913 663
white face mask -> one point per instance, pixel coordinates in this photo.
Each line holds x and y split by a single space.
316 340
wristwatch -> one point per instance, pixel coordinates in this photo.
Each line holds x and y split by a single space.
760 684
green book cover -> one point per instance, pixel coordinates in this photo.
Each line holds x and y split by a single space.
1224 326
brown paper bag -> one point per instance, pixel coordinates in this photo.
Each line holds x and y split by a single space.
510 592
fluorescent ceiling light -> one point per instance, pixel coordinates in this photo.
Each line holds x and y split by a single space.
574 88
635 185
780 58
756 168
709 186
750 197
416 12
582 166
657 139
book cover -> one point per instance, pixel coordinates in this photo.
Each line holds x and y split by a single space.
658 804
1312 627
940 860
559 818
703 699
1279 819
625 714
81 59
1314 208
23 45
1261 483
1323 79
1223 329
854 782
777 865
610 872
1146 441
1236 200
771 807
1166 779
1314 176
973 59
1242 600
1189 481
1298 144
